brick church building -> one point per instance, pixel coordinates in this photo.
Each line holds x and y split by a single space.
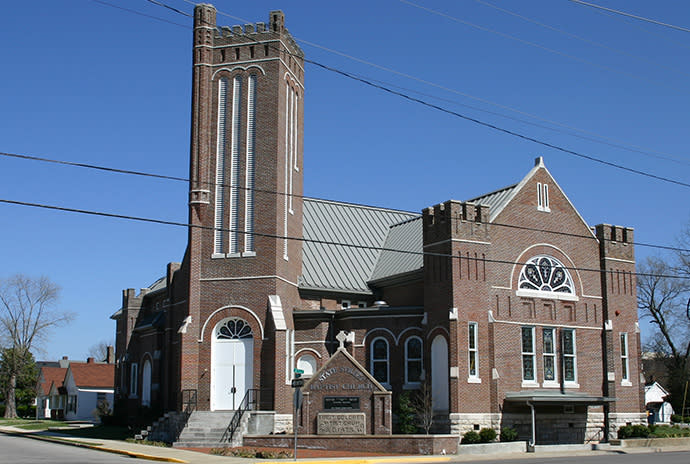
508 306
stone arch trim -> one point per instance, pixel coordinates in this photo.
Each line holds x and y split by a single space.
409 329
308 350
392 336
229 71
230 308
546 248
438 330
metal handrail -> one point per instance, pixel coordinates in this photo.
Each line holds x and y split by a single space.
252 401
189 401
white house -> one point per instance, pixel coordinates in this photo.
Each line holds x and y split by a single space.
86 385
655 400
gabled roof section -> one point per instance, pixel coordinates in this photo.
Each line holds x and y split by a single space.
499 199
92 375
326 266
404 236
50 375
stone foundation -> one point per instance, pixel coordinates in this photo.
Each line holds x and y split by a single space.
282 423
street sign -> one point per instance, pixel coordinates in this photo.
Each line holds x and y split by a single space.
298 371
297 383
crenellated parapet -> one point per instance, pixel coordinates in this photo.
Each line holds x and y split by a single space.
456 220
615 241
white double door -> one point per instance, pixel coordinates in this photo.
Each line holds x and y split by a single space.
231 374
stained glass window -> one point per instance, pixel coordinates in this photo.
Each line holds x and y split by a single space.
549 355
545 274
569 356
234 329
379 360
472 349
528 354
413 360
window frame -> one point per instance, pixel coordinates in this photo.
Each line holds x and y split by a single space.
625 359
373 360
565 356
414 383
472 352
133 379
528 354
550 354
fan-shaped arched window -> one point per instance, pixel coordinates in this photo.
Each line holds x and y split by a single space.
546 274
233 329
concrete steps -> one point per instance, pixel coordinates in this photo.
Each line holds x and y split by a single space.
207 429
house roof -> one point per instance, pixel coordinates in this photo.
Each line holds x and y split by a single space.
327 225
407 237
50 375
654 393
93 374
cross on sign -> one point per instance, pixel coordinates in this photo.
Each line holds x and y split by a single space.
341 337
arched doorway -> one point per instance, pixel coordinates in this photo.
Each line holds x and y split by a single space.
146 384
439 374
232 363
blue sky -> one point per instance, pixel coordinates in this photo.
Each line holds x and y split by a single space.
85 82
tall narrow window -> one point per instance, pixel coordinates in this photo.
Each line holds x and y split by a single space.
549 356
251 139
528 356
379 360
625 372
413 360
293 104
133 379
219 233
569 356
287 168
473 368
543 197
235 163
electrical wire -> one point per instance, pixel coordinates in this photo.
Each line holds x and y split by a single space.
320 242
580 38
298 196
630 15
129 10
542 47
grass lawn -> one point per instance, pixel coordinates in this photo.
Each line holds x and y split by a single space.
31 424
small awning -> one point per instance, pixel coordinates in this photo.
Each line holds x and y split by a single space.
556 397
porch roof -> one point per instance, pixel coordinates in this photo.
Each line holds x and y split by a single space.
556 397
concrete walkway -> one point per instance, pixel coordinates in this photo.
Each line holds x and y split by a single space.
162 454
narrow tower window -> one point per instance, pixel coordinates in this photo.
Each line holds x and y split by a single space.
219 233
472 351
234 164
251 139
625 365
528 355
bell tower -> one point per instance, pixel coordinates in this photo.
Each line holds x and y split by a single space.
245 193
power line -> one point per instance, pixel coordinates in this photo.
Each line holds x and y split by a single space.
294 195
598 138
306 240
112 5
630 15
536 45
580 38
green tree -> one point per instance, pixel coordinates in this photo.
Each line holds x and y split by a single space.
26 379
27 315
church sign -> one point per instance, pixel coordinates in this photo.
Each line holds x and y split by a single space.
342 398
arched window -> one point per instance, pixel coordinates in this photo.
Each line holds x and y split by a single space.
233 329
307 363
146 384
413 360
379 360
547 275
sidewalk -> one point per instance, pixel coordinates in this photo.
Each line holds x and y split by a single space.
161 454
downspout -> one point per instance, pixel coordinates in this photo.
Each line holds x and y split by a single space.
534 427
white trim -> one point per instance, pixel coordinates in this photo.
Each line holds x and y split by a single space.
203 327
220 279
619 260
428 335
570 383
250 168
540 324
387 360
311 350
568 267
552 354
625 357
236 124
532 353
397 340
370 331
474 380
221 157
548 295
235 68
459 240
473 334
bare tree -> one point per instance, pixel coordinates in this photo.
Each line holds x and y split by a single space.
99 351
27 315
423 406
662 299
